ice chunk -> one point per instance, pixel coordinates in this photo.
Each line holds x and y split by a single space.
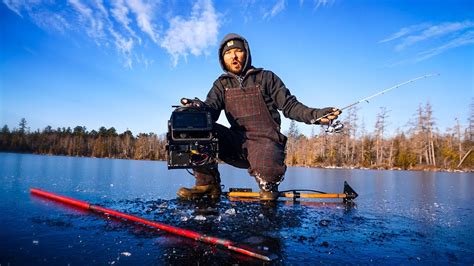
163 205
200 218
324 222
230 211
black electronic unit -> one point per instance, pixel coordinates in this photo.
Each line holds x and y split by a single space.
191 141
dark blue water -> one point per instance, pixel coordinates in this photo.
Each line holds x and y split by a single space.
400 217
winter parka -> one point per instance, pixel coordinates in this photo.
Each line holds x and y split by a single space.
275 94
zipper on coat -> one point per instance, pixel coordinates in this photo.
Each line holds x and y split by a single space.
241 81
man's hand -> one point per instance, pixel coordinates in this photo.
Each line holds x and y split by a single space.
192 102
328 114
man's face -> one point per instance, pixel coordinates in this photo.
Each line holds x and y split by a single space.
234 60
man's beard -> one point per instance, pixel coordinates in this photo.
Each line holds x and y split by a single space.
237 68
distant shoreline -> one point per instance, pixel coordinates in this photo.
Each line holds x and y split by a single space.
414 169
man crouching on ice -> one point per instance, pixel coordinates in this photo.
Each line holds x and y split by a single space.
251 98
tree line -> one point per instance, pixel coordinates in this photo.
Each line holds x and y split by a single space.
104 143
421 146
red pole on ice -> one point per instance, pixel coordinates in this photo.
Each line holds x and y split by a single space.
168 228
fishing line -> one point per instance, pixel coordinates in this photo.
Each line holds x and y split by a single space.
338 126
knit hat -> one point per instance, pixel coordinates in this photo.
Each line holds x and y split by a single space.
231 44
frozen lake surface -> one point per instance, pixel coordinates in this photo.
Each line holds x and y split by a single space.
400 217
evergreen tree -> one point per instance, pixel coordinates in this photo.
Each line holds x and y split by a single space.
23 126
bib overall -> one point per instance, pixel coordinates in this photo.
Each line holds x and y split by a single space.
253 142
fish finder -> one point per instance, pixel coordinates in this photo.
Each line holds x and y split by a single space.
191 141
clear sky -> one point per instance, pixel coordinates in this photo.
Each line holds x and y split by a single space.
124 63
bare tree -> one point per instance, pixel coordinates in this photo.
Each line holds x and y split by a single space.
429 122
380 127
350 135
458 138
471 121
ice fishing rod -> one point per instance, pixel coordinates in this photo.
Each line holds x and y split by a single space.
168 228
338 126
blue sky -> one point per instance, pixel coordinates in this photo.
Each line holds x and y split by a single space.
124 63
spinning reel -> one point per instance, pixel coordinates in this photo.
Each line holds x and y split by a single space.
335 127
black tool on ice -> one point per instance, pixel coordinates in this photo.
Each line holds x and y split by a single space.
337 126
191 141
347 196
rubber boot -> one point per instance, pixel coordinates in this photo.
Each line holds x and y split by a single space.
212 191
269 192
208 185
268 189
